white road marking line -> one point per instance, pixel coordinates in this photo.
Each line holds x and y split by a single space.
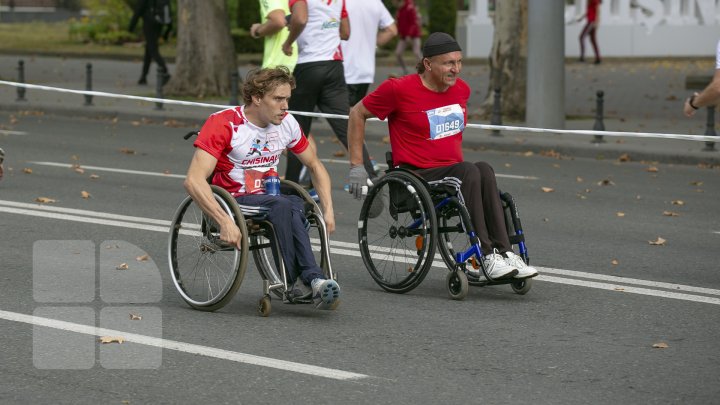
384 166
351 249
7 132
110 169
186 347
717 232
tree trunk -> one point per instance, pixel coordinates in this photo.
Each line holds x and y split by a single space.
205 51
508 60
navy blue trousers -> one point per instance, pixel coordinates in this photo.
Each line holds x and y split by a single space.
286 214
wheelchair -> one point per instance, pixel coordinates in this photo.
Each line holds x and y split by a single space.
404 217
207 272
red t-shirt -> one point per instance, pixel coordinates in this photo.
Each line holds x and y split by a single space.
592 7
407 21
425 126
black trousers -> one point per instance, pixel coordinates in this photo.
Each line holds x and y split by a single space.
152 49
322 85
482 199
356 92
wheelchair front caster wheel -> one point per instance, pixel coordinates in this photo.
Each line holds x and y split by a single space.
522 286
457 285
264 306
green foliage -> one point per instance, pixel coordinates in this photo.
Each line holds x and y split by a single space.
243 13
106 22
443 15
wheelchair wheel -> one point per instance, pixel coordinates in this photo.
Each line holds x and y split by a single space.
206 271
522 286
264 306
397 231
457 284
453 223
263 258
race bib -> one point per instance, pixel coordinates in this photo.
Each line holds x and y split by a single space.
254 181
446 121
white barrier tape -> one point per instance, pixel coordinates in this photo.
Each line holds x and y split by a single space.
698 138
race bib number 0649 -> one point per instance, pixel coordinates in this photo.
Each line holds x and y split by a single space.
446 121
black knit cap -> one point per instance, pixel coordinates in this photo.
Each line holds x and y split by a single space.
439 43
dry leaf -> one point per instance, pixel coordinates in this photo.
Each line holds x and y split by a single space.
619 289
582 197
528 153
127 151
135 317
136 123
620 214
386 140
678 202
508 165
670 214
624 157
173 124
111 339
85 194
27 170
652 169
122 266
547 189
555 165
661 345
579 179
605 182
45 200
142 258
74 157
658 242
696 183
546 219
615 262
339 153
94 176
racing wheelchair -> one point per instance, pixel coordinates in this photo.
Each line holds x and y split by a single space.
207 272
404 217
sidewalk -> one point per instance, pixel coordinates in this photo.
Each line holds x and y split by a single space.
640 96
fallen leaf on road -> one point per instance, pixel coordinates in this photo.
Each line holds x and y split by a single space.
619 289
652 169
135 317
678 202
658 242
111 339
620 214
122 266
615 262
661 345
528 153
27 170
579 179
142 258
670 214
78 169
546 219
386 140
339 153
624 157
696 183
508 165
94 176
605 182
580 196
85 194
127 151
547 189
45 200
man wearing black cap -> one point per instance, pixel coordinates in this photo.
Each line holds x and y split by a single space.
426 115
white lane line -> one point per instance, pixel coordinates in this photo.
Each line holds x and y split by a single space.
717 232
7 132
186 347
351 249
384 166
110 169
88 213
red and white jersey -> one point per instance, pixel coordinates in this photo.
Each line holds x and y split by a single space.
245 151
320 40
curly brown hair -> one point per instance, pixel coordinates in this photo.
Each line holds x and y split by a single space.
260 82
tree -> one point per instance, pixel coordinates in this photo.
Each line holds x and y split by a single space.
508 59
443 15
205 51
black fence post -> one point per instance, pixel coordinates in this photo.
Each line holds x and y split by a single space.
234 79
88 84
21 79
496 117
159 82
710 129
599 125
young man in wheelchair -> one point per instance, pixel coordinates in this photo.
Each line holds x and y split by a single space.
426 115
227 152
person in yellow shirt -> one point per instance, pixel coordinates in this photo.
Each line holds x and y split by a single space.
273 29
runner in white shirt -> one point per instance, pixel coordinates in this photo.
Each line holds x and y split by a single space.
372 26
710 95
236 147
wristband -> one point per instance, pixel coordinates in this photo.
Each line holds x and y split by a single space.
690 101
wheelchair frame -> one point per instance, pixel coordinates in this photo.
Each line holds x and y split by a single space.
208 272
429 208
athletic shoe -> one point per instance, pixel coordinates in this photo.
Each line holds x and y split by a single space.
495 266
524 271
142 81
300 293
326 293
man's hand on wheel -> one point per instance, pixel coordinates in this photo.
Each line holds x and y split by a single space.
357 178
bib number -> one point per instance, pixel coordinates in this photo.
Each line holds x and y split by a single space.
446 121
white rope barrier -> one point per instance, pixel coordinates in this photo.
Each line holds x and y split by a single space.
697 138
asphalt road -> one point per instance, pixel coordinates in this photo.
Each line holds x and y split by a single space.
584 333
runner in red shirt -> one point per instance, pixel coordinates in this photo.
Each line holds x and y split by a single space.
590 29
426 115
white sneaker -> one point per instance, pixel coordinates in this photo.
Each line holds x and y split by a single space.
326 293
495 266
524 271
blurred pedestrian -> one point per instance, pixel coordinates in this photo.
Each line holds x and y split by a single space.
273 29
409 30
592 15
372 26
2 159
710 95
318 26
154 20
